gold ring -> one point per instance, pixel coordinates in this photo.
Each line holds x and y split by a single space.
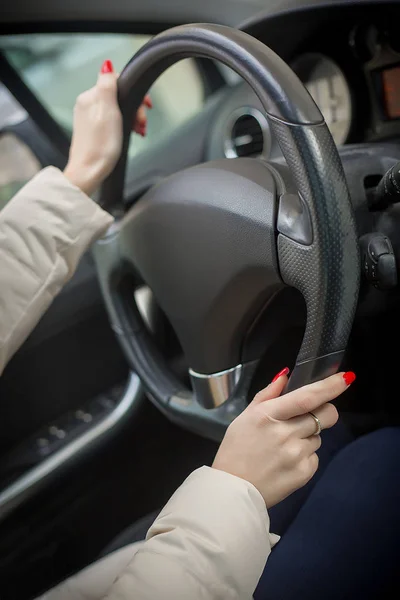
317 423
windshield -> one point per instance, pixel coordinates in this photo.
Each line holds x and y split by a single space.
59 67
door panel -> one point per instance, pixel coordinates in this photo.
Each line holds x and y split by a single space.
71 370
69 361
71 357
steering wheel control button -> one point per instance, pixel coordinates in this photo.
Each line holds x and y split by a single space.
378 261
294 219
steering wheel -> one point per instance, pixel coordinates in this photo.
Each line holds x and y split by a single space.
218 242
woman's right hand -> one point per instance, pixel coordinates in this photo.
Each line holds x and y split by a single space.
272 444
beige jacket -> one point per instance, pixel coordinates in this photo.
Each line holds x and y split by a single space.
212 539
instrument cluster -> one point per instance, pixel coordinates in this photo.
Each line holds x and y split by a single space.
343 94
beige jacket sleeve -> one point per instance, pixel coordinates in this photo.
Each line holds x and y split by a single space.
210 542
44 230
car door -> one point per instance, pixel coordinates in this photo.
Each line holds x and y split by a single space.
85 361
67 396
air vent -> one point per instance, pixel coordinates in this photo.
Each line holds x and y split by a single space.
247 134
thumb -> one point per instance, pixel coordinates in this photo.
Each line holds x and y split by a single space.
274 389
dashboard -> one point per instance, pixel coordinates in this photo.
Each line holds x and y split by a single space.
348 59
375 52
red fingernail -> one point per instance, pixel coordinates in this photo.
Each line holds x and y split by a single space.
284 371
107 67
349 377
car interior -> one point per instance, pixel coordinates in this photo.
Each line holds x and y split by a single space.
106 407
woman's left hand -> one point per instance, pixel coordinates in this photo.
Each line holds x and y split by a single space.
97 132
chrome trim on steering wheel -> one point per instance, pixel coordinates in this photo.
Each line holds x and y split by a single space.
215 389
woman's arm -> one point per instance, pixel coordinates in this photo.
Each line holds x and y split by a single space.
51 222
44 231
212 539
210 542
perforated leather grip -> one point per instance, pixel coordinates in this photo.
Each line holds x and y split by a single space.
327 271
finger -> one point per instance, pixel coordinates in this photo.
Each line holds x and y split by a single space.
107 67
107 84
305 426
140 124
313 444
141 118
147 101
274 389
86 98
310 397
313 463
140 129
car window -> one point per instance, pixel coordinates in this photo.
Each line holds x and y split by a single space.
17 166
59 67
17 162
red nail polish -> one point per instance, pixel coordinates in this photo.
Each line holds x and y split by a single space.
349 377
107 67
284 371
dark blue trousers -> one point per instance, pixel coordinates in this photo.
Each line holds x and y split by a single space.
341 532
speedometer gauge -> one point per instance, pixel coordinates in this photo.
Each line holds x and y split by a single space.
328 87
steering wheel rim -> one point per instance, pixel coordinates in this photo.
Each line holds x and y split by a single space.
320 259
